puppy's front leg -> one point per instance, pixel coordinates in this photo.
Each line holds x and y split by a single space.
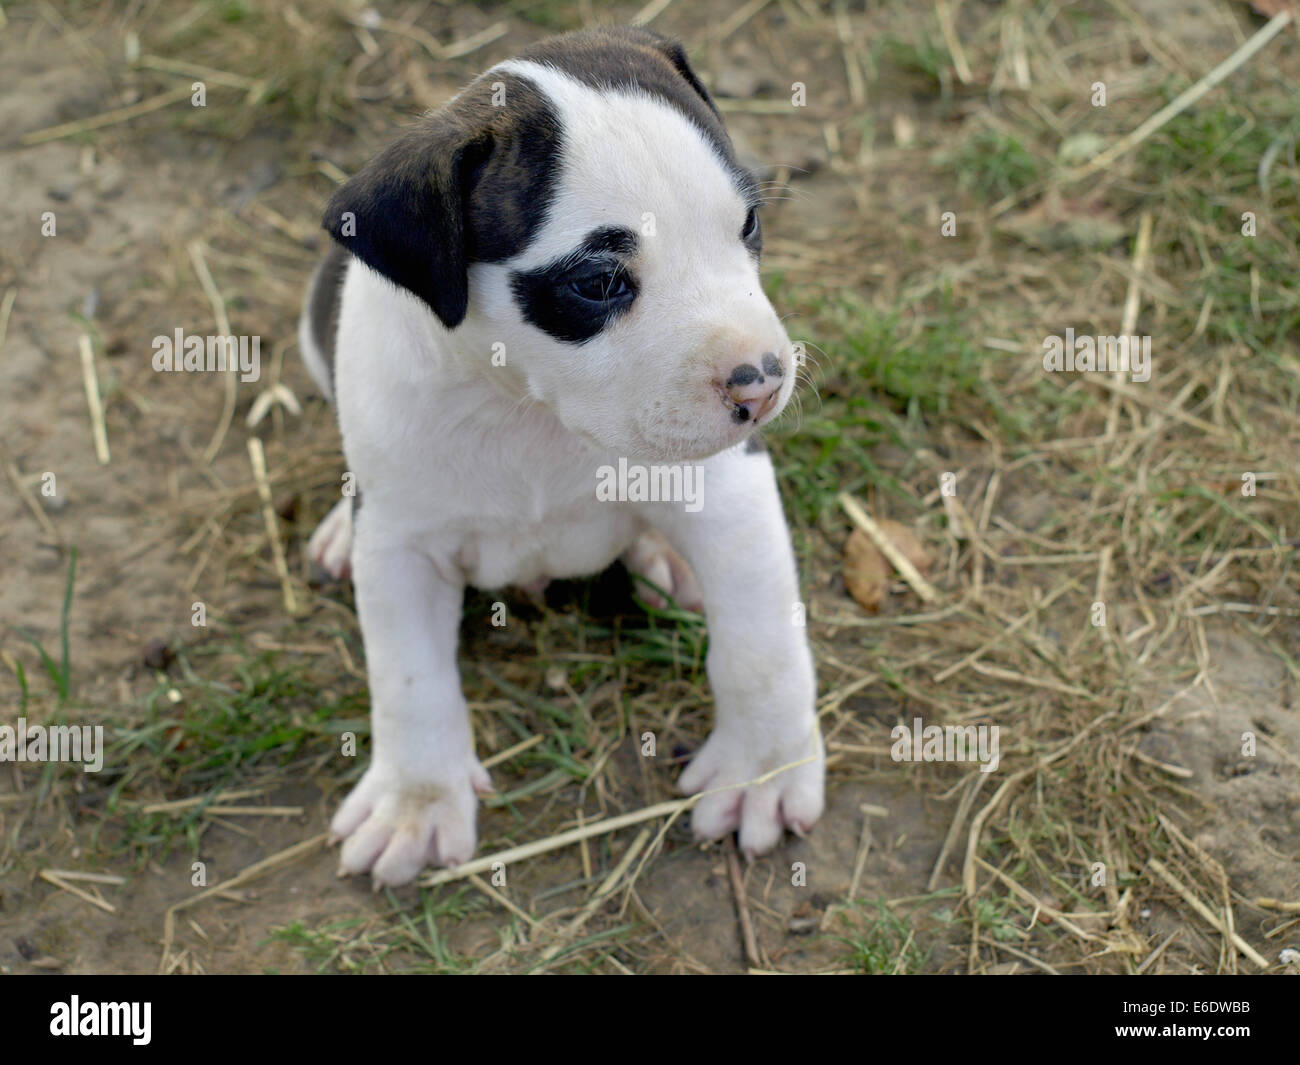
416 802
760 665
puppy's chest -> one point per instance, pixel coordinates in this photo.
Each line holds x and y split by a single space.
527 509
576 539
507 498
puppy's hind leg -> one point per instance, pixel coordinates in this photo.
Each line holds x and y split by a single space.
653 557
330 546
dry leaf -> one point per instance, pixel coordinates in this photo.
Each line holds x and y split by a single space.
903 538
867 572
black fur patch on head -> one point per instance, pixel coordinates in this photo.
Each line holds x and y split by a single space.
574 297
323 303
469 183
630 57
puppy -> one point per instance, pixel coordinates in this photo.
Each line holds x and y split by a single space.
552 278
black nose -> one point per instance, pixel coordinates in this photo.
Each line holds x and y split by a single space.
749 374
744 374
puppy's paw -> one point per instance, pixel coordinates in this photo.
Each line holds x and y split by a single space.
330 546
652 557
792 799
394 827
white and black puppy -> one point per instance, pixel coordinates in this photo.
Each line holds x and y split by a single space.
555 272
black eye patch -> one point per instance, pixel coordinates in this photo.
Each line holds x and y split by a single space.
574 297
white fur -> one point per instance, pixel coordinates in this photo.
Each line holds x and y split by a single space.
478 474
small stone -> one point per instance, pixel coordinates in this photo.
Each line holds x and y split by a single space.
904 130
261 176
25 947
286 506
48 557
110 179
157 655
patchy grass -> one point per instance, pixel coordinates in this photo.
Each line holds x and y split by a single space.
880 943
992 164
230 718
60 672
365 945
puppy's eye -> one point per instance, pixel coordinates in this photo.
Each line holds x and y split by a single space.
602 288
751 224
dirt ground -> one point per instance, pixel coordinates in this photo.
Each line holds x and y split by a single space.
1127 751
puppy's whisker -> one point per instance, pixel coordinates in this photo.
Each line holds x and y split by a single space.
784 192
809 349
816 392
770 164
807 379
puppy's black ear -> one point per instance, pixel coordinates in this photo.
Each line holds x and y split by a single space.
676 55
404 213
471 183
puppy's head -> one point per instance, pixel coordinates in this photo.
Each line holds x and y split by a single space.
582 206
